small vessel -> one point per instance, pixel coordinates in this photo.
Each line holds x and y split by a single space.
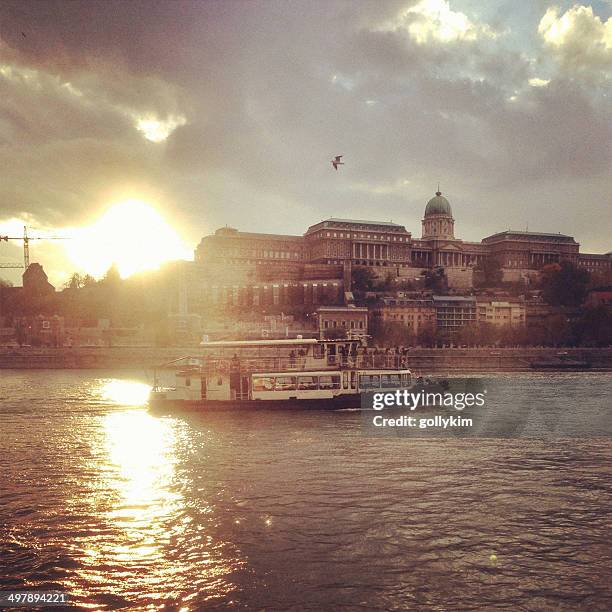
562 361
560 364
294 373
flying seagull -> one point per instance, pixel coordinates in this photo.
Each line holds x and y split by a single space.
336 161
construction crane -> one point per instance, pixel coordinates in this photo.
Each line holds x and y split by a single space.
26 247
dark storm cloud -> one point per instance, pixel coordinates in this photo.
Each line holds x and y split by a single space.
269 91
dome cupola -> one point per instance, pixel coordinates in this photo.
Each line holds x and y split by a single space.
438 223
438 205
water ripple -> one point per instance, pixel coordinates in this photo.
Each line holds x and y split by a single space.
291 511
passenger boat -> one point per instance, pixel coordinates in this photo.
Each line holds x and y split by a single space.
295 374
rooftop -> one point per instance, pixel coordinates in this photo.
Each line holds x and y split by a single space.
255 343
337 222
526 233
452 298
255 235
342 309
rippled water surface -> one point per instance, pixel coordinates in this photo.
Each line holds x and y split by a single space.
123 508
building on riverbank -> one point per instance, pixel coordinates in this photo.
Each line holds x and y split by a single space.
230 265
413 314
501 313
345 320
454 312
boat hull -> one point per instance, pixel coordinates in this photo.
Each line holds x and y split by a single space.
576 366
340 402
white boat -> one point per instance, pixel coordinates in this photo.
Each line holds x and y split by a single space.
290 374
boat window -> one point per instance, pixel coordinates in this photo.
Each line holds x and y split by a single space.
345 380
285 383
318 351
405 380
390 381
188 382
369 381
329 382
308 383
263 383
353 379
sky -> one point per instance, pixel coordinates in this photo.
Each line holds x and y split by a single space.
135 128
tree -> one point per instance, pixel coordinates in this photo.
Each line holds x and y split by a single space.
594 328
468 334
489 272
390 333
112 276
515 335
387 283
74 282
436 280
557 330
427 335
564 284
363 279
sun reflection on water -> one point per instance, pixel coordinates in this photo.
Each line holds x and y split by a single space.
140 448
143 498
125 392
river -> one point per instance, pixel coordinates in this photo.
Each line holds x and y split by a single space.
301 510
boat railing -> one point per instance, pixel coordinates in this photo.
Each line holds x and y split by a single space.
299 363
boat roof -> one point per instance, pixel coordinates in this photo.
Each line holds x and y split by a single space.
248 343
329 372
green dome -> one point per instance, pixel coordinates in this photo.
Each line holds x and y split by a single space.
438 205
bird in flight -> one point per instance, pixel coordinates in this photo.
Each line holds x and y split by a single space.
336 161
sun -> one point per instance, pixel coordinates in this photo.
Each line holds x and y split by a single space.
131 235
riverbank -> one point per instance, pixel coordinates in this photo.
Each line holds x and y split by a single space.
420 359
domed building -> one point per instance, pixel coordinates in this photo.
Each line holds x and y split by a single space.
438 222
260 270
438 246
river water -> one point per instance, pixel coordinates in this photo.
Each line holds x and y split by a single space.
122 508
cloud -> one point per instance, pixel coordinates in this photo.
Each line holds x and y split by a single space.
579 39
229 113
537 82
158 130
434 20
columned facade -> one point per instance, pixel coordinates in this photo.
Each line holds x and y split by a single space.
330 249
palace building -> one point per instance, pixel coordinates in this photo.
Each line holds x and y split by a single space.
234 263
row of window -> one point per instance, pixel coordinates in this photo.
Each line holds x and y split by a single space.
334 323
256 253
324 383
383 381
400 317
280 255
293 383
367 236
235 288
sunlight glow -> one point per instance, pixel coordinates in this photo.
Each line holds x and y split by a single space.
157 130
125 392
130 234
537 82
